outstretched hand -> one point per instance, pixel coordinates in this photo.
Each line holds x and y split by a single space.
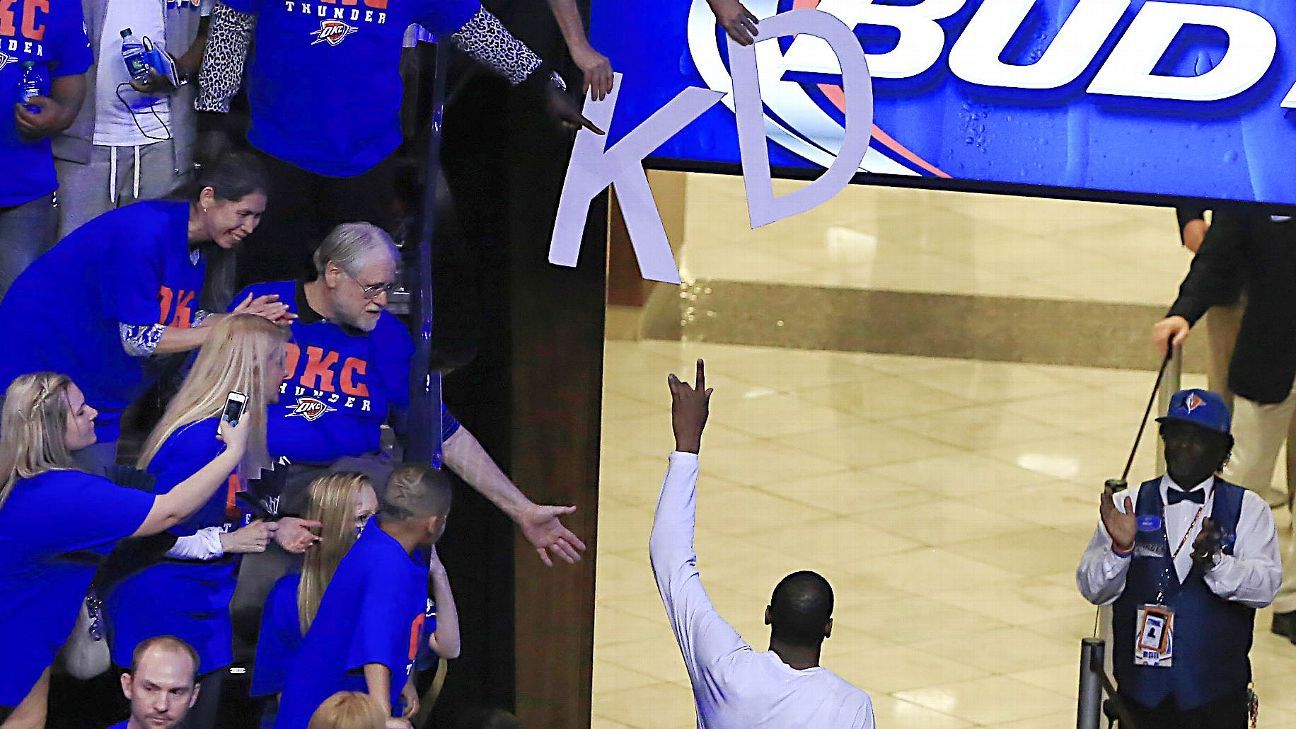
295 535
690 407
541 526
267 307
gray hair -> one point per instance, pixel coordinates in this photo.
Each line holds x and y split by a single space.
350 244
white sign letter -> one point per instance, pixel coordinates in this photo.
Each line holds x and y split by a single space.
921 38
593 168
975 56
762 206
1128 71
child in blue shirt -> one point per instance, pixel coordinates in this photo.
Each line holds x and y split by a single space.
369 627
342 503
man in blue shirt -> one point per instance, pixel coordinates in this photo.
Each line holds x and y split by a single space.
50 34
370 623
160 684
325 94
348 370
348 374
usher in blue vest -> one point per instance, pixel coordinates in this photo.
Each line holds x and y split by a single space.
1212 636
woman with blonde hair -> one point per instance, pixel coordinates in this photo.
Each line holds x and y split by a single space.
348 710
183 597
343 502
57 523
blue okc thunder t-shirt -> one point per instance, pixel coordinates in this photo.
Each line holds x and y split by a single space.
341 385
50 33
131 265
280 637
189 599
53 528
372 613
324 83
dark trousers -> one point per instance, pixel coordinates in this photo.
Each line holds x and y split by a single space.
302 208
1230 712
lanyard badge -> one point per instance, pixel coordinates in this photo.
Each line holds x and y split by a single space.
1154 638
1154 634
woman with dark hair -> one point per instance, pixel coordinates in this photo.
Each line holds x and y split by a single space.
135 282
57 523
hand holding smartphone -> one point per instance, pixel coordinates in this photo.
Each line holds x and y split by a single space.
235 404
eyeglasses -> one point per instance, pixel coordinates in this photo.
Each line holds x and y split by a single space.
373 291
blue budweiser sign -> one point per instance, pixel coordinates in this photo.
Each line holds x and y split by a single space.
1116 99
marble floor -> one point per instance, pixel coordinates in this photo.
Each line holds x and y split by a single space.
946 500
938 242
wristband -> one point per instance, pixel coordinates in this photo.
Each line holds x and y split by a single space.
543 77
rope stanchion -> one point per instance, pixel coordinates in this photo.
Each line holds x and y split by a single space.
1094 683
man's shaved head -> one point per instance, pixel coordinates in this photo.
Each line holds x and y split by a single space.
801 608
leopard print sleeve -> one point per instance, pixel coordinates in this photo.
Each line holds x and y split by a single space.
222 65
140 340
486 39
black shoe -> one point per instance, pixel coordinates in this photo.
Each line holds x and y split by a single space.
1284 624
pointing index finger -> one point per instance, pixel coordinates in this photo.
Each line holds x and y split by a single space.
701 375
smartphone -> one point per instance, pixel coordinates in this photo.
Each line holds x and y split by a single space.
235 404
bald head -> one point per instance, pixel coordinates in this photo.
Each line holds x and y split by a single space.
161 683
800 610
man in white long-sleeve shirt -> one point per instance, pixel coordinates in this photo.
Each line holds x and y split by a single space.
734 686
1183 618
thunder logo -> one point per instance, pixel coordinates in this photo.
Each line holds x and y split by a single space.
310 408
6 59
332 32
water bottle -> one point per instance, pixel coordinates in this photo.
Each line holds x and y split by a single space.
30 83
135 57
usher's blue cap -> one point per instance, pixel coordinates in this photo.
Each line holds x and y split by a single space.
1199 407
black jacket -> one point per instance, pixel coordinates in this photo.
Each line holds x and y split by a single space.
1262 254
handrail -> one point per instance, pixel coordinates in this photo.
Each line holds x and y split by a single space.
424 440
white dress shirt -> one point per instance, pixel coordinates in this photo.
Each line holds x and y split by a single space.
202 545
734 686
1250 575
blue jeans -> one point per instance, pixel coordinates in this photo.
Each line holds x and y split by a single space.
26 231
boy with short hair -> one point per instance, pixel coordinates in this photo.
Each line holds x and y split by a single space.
369 626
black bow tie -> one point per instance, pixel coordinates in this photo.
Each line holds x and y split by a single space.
1174 496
